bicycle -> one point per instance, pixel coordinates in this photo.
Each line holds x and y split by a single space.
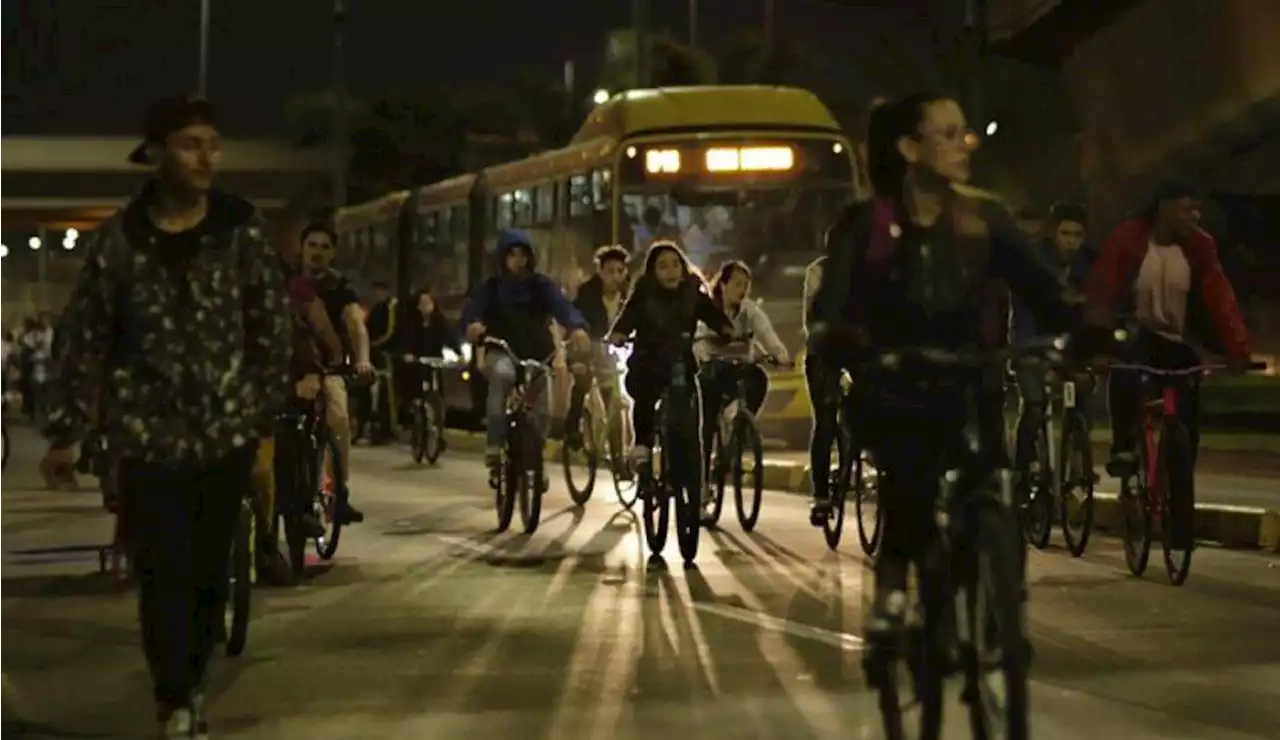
677 446
603 427
743 435
519 474
314 445
1059 475
970 576
1162 484
426 442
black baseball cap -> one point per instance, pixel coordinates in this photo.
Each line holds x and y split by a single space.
167 116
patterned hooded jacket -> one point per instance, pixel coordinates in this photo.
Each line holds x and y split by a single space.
190 335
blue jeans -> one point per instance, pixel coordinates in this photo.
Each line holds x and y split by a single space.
500 370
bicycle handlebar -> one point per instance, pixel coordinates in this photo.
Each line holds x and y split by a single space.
1181 372
501 344
1048 348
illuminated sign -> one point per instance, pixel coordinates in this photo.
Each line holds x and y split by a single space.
662 161
751 159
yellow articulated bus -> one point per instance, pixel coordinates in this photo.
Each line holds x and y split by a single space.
747 173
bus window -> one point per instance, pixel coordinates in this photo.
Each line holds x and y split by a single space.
579 196
442 236
544 207
502 211
602 188
453 279
425 231
522 208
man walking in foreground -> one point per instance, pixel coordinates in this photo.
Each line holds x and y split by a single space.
180 309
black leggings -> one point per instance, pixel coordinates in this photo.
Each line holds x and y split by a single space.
645 388
1125 392
719 388
182 521
822 380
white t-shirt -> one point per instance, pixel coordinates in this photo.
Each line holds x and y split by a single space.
1164 280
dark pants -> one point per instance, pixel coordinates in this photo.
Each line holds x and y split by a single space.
182 521
912 436
719 388
825 397
645 386
1126 394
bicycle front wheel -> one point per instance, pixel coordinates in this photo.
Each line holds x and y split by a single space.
1135 508
1037 483
1075 500
580 490
241 585
866 502
747 443
332 494
997 666
1178 506
684 480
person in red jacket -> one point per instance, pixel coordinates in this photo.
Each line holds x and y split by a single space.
1155 266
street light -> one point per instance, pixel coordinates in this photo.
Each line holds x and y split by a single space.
35 243
69 241
601 97
992 128
4 251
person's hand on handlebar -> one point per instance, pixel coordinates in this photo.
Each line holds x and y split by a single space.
475 330
580 340
364 368
617 339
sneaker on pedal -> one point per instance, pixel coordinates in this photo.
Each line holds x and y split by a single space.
179 722
351 515
888 612
639 457
1122 465
819 511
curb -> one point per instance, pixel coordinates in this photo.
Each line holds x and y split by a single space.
1230 526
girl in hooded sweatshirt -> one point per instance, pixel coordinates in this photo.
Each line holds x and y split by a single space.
663 311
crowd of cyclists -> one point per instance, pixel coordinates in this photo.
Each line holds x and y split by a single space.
201 335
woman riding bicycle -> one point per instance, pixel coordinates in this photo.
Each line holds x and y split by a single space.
1154 265
730 292
913 268
663 310
426 332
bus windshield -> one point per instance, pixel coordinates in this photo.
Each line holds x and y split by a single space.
776 230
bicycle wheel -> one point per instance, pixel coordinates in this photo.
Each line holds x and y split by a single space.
684 481
241 586
1178 507
4 457
1000 649
1075 497
626 486
838 491
332 496
866 493
418 437
433 426
747 440
1037 509
305 491
907 671
718 470
529 491
1134 501
656 507
580 491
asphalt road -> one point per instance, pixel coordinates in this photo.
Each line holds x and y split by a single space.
426 626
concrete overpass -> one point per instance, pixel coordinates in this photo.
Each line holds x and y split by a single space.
1159 87
53 183
62 181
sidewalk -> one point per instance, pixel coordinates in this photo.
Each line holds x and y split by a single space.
1239 509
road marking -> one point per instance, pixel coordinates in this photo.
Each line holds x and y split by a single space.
842 640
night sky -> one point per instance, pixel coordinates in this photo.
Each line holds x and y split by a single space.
91 66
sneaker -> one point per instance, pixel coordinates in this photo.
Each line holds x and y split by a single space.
273 566
492 457
352 515
888 612
177 723
639 456
1122 465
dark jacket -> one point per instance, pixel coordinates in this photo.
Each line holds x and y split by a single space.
429 338
518 308
1109 286
381 325
664 321
1076 270
590 303
890 283
195 343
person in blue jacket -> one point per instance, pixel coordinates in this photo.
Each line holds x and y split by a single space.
516 305
1066 247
